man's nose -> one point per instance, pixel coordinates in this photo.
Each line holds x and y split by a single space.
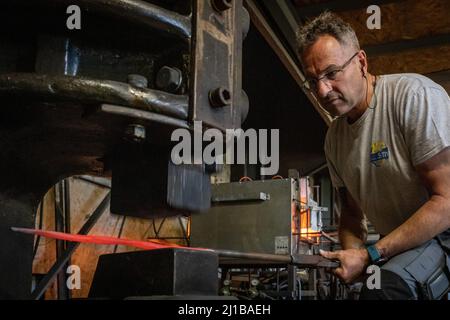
323 89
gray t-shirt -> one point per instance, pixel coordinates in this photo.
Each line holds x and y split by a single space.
407 123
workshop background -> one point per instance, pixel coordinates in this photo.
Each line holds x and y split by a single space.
414 37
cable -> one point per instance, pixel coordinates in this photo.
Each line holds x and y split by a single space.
154 228
41 220
374 94
120 232
159 228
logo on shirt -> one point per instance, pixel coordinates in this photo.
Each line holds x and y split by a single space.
378 153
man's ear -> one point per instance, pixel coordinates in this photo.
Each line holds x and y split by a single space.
363 62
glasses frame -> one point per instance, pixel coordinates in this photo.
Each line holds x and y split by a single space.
307 83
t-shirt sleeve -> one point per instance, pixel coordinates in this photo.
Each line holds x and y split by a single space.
426 123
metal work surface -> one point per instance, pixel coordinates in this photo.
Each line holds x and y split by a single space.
171 272
247 224
141 12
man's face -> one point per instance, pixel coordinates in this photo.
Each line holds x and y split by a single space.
347 91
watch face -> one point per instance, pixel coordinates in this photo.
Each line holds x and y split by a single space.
374 254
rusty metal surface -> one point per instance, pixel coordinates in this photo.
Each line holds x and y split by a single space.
66 106
140 12
143 115
94 91
217 63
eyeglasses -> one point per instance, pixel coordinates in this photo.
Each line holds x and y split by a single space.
331 75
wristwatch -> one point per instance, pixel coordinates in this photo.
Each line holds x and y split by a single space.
375 255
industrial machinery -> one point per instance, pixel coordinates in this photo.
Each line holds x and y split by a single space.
259 240
103 98
268 216
272 217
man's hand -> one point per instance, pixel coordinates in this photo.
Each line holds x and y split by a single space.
353 263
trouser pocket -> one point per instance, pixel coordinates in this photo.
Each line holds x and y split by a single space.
430 271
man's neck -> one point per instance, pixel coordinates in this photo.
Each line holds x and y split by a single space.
356 113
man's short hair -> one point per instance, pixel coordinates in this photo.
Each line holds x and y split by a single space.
326 24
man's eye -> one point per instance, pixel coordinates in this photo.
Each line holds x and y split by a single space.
332 74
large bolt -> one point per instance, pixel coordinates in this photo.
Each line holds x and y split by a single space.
138 81
169 79
220 97
222 5
135 132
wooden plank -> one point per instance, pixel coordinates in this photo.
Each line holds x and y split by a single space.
311 8
423 61
442 77
404 20
84 199
398 46
46 253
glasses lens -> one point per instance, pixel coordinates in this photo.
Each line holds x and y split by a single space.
332 75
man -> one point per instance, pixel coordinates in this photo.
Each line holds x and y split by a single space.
388 153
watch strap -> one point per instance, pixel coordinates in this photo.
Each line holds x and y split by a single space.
374 254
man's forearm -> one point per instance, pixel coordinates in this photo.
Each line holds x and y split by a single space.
430 220
352 234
